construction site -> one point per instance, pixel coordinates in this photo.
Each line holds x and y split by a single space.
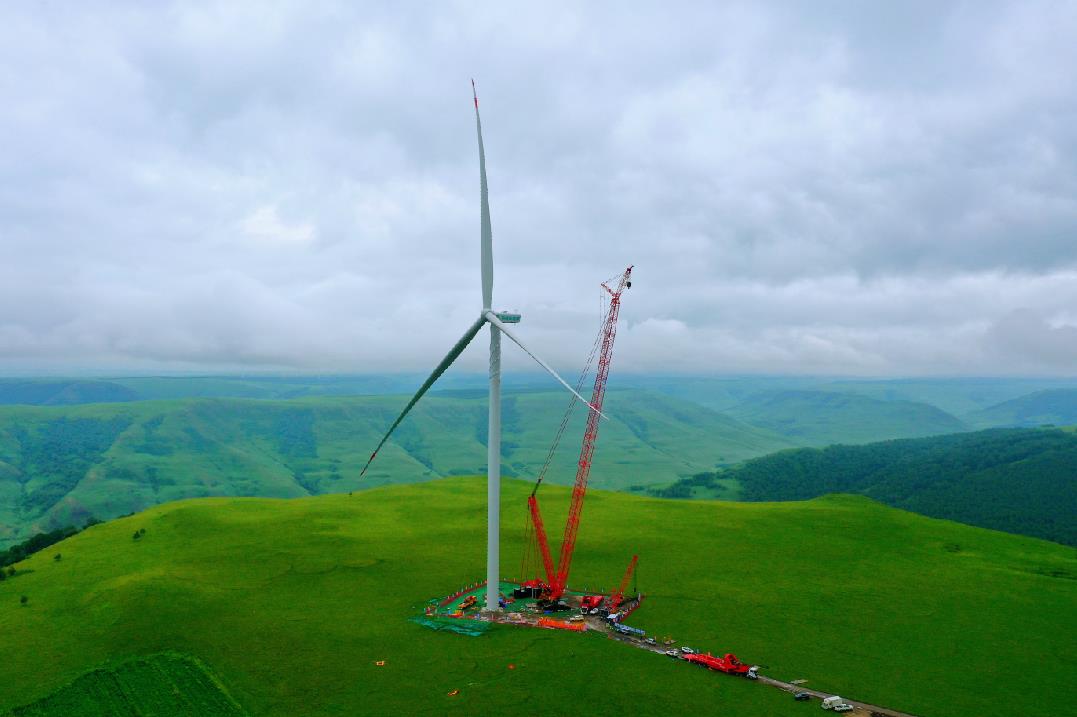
542 598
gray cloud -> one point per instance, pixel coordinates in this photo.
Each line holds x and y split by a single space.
836 188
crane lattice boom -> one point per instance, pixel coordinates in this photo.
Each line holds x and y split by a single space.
619 596
558 581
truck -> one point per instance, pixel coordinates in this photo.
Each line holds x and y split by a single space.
592 604
630 631
727 663
837 704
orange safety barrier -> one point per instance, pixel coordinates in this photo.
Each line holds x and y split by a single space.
561 624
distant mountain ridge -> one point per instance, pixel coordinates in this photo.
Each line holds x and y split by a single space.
823 417
45 392
1053 406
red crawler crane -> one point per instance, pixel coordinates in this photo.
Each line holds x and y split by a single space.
556 582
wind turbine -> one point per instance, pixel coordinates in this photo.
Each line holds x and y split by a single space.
497 322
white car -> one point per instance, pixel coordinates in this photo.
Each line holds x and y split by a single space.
843 707
672 653
687 650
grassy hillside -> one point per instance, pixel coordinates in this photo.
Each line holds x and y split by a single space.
291 603
165 684
1055 407
59 466
820 418
1017 480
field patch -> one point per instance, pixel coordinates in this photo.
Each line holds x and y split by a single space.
164 685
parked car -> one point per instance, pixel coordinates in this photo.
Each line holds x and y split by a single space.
687 650
672 653
801 697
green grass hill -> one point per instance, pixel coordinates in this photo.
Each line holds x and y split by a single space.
291 604
61 465
1019 480
819 418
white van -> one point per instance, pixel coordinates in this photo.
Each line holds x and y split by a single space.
837 704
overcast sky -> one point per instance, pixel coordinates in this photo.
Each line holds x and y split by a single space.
858 188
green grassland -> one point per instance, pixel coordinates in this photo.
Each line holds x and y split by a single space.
292 602
60 465
165 684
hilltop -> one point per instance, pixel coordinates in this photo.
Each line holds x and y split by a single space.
291 603
61 465
1017 480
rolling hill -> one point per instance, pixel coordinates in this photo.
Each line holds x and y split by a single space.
292 603
959 396
1055 407
62 392
61 465
1017 480
819 418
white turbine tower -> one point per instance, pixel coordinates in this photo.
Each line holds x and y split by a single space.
497 323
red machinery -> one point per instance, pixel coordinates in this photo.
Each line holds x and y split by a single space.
590 602
728 663
617 597
557 579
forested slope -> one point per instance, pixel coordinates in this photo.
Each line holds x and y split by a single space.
1017 480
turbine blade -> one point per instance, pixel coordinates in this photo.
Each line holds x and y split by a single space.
486 231
492 318
456 350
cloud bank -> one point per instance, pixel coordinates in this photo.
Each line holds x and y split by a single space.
835 188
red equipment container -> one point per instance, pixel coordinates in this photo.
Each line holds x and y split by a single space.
728 663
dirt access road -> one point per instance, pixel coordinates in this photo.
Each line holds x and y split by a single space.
862 709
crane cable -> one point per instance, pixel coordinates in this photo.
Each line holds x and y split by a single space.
531 556
572 403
